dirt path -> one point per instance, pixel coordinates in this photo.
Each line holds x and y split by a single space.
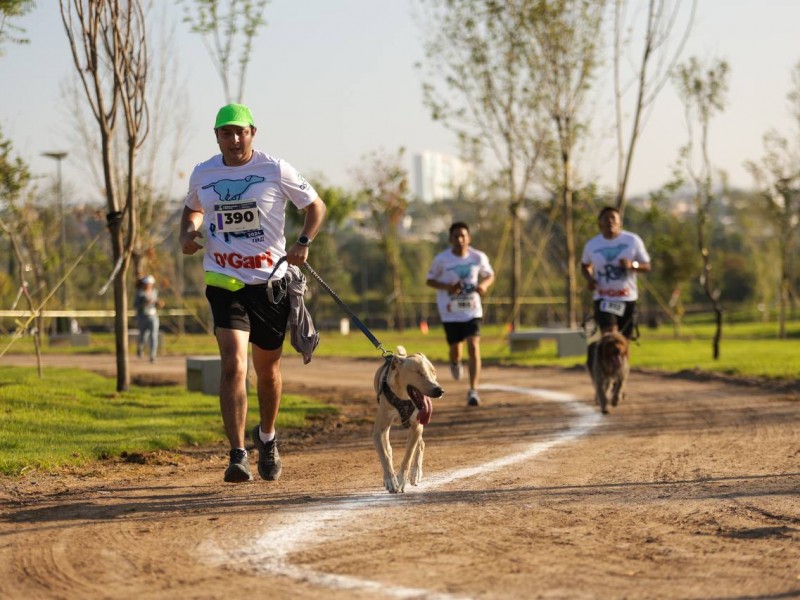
689 489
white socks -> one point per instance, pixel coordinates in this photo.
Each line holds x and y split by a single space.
265 437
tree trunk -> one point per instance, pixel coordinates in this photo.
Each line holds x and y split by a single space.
516 264
785 285
569 233
120 302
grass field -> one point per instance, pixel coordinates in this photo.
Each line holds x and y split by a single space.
74 417
747 349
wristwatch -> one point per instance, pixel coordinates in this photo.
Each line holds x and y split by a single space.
635 265
303 240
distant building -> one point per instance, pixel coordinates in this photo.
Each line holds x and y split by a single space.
440 176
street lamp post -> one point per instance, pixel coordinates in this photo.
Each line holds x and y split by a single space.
58 157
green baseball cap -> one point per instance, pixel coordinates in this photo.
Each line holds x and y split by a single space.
234 114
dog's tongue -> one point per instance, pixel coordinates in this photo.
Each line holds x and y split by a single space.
424 414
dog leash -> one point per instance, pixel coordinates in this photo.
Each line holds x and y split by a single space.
385 353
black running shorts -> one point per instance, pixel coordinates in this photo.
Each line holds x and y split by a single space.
250 309
625 324
459 331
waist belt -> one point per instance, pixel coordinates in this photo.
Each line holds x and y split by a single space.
226 282
276 290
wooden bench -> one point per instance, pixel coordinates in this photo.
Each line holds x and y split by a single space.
569 342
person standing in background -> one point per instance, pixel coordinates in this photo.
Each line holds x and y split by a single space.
146 305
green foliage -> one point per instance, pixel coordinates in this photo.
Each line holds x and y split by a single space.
72 418
14 172
12 9
223 29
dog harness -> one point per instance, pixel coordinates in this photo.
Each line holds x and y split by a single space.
404 407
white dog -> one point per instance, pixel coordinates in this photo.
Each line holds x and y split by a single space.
404 385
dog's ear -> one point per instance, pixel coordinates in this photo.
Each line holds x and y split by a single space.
397 362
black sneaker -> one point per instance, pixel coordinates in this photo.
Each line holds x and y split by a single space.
269 461
473 399
238 470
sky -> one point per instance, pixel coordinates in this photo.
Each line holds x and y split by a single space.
332 81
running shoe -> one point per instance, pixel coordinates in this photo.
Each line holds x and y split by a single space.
238 470
269 461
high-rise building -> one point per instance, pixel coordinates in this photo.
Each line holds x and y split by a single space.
440 176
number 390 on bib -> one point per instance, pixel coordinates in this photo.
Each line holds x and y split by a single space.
242 216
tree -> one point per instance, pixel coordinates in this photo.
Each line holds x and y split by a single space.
15 177
661 19
777 176
12 9
109 49
221 29
567 34
702 89
384 189
480 86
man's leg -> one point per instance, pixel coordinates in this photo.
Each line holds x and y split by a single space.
267 365
140 338
153 338
233 399
455 352
232 389
455 360
474 352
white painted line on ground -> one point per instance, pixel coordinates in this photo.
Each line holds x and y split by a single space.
313 526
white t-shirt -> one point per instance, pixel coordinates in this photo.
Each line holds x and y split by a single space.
244 213
450 268
614 282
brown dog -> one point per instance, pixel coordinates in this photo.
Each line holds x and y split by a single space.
608 366
404 385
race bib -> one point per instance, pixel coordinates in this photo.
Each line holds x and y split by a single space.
464 304
612 306
231 217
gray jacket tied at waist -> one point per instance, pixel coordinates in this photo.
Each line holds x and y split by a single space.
304 337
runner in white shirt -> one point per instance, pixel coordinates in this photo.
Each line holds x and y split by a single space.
609 264
236 205
461 275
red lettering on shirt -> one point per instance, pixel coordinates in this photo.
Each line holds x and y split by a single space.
237 261
613 293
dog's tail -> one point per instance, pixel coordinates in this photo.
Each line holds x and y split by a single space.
401 351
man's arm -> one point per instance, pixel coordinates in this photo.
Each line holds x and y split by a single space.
634 265
587 270
191 222
315 215
451 288
484 284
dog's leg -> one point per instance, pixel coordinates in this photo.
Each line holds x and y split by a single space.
601 388
416 463
412 448
619 387
380 437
